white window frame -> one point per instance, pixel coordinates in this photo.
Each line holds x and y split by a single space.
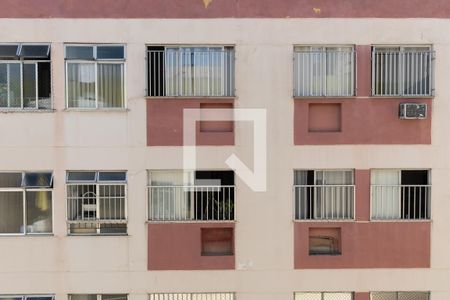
191 296
96 61
24 190
322 294
22 61
354 85
99 296
402 48
97 183
26 297
426 293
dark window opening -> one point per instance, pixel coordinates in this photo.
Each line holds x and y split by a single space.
414 194
156 66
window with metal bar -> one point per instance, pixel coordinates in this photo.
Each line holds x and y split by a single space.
27 297
190 71
400 296
324 194
192 296
324 71
402 71
324 296
191 196
25 76
95 76
98 297
97 202
400 195
26 202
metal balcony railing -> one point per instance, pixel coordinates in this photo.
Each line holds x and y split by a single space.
191 203
324 202
187 73
400 202
402 73
324 73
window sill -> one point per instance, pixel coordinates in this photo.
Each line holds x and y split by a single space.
324 221
190 97
97 235
26 235
120 110
19 110
192 222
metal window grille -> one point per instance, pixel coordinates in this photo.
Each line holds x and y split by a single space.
192 296
98 297
324 71
27 297
189 203
324 296
189 72
96 207
324 202
400 296
400 202
404 71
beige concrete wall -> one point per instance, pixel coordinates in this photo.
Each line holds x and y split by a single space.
65 140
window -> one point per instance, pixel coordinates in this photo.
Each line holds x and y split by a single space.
98 297
26 202
324 194
400 194
25 76
191 196
95 76
97 202
192 296
324 296
400 296
324 71
190 71
324 241
27 297
402 71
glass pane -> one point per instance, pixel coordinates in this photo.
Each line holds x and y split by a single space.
81 176
10 298
81 85
14 85
383 296
11 212
80 52
29 85
39 298
8 51
339 71
81 202
10 180
308 296
34 51
112 176
38 179
44 85
112 202
337 296
39 212
110 85
3 85
110 52
413 296
114 297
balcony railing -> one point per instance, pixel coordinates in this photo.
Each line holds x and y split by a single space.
324 73
324 202
191 203
402 73
400 202
189 73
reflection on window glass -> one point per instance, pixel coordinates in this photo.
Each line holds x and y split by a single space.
81 85
11 212
29 85
39 211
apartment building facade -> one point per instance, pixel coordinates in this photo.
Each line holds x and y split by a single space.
95 199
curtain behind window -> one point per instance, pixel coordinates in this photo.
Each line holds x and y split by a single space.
110 87
81 85
385 198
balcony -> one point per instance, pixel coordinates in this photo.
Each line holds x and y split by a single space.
400 202
324 202
191 203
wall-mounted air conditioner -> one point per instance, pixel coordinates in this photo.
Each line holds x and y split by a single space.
413 111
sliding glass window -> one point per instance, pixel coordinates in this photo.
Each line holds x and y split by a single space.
95 76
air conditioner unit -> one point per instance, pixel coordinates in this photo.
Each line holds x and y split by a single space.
413 111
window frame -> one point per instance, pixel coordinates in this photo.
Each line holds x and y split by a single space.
98 296
354 81
20 60
322 294
24 191
97 183
26 297
401 48
178 48
95 61
427 293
